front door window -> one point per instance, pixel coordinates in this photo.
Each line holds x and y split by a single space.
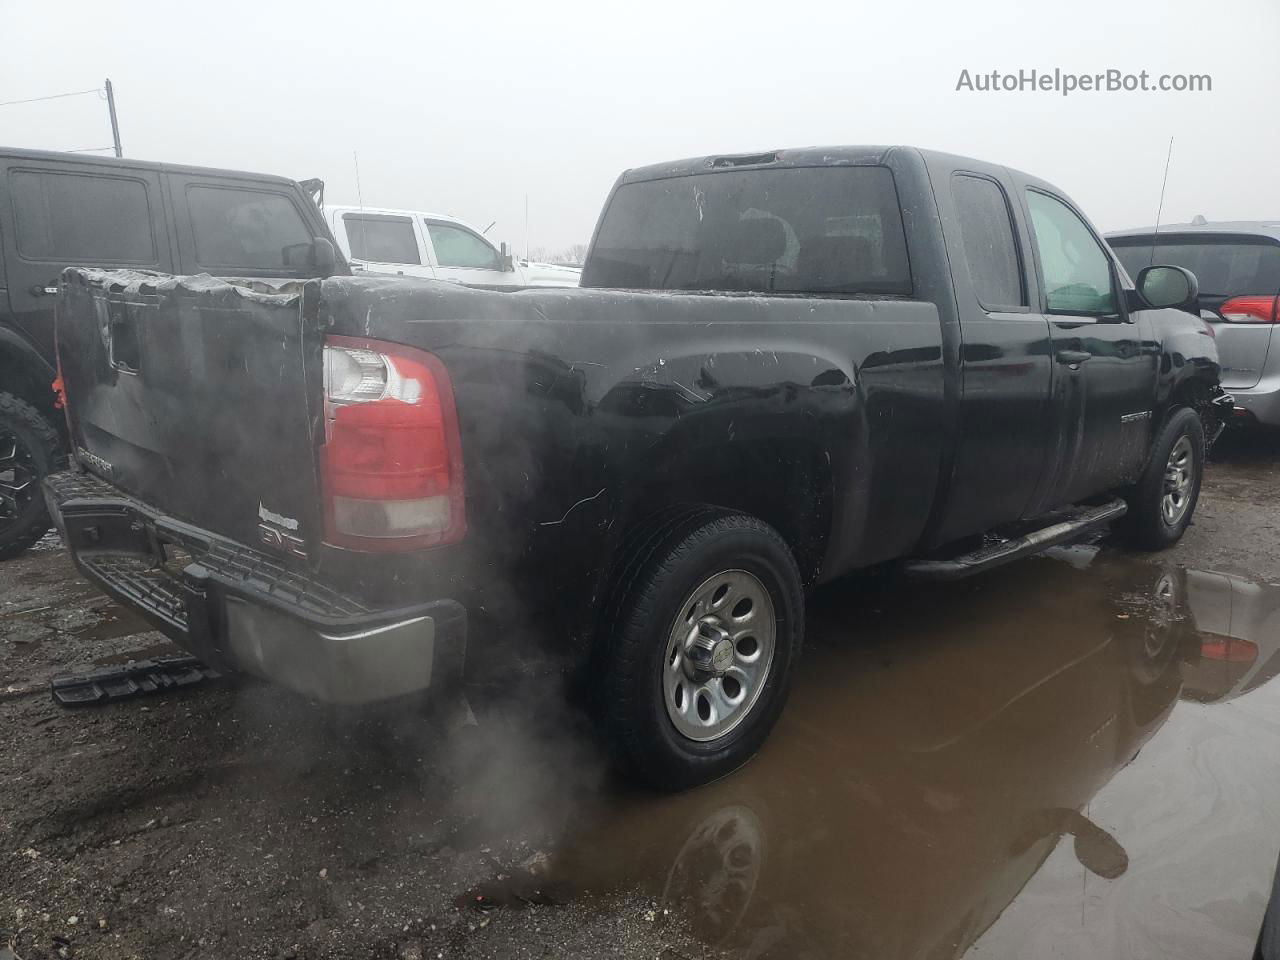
1075 267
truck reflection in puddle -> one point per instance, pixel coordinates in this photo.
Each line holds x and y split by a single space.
939 745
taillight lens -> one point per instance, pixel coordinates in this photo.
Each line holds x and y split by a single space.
1227 649
1249 310
391 465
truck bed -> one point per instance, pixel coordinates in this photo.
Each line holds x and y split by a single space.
574 408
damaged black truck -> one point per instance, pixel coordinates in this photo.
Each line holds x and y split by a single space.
781 368
70 209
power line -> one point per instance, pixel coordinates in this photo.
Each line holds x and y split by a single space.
52 96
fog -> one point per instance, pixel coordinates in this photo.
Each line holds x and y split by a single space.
469 109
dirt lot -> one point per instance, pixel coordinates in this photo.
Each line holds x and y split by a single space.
1056 758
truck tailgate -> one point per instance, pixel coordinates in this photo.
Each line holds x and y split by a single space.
194 396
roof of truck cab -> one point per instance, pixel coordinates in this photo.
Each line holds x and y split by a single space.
840 156
337 208
1252 228
796 157
128 163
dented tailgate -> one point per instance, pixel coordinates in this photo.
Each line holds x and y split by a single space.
194 395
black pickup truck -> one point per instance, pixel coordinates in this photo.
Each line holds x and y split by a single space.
780 368
69 209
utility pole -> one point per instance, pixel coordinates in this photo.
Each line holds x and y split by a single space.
115 125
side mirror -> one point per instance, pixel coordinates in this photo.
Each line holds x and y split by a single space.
317 256
508 265
323 256
1169 287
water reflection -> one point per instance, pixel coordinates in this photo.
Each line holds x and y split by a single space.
1239 626
941 742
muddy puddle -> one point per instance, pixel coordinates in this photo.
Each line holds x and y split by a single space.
114 621
1077 755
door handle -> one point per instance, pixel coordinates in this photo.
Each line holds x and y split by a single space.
1072 357
43 289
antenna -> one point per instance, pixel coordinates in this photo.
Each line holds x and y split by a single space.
364 229
489 227
1160 208
115 124
526 227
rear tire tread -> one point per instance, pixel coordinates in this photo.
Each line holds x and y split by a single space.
46 449
627 651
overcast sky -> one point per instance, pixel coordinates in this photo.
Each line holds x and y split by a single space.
466 108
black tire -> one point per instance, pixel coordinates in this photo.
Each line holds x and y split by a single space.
667 563
30 449
1149 526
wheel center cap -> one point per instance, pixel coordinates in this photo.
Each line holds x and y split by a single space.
721 656
710 649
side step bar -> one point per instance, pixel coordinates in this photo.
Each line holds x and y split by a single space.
1074 523
133 679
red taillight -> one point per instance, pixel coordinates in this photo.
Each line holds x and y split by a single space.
391 465
1228 649
1250 310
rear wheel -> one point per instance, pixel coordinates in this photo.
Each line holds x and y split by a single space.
1162 503
697 659
29 450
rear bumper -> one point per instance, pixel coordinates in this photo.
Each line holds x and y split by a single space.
239 609
1262 402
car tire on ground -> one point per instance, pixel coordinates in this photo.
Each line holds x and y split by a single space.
29 450
1163 500
699 647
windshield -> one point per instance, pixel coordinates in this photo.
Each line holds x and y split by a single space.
815 230
1229 267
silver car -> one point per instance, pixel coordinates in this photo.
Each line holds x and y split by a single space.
1238 266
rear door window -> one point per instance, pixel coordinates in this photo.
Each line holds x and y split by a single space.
81 218
990 248
381 239
250 229
824 231
457 247
1075 266
1225 267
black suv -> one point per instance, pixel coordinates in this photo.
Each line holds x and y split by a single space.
59 210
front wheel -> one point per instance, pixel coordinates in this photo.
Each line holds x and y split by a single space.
698 659
1162 502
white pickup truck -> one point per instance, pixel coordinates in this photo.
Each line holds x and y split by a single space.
416 244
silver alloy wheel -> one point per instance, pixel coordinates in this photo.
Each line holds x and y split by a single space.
718 656
1177 481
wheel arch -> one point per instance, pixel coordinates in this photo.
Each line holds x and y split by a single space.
784 481
28 375
1196 393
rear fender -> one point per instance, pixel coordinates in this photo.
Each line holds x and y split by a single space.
761 431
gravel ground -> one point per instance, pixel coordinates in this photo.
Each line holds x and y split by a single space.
240 821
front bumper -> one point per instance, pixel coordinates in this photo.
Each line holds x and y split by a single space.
236 608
